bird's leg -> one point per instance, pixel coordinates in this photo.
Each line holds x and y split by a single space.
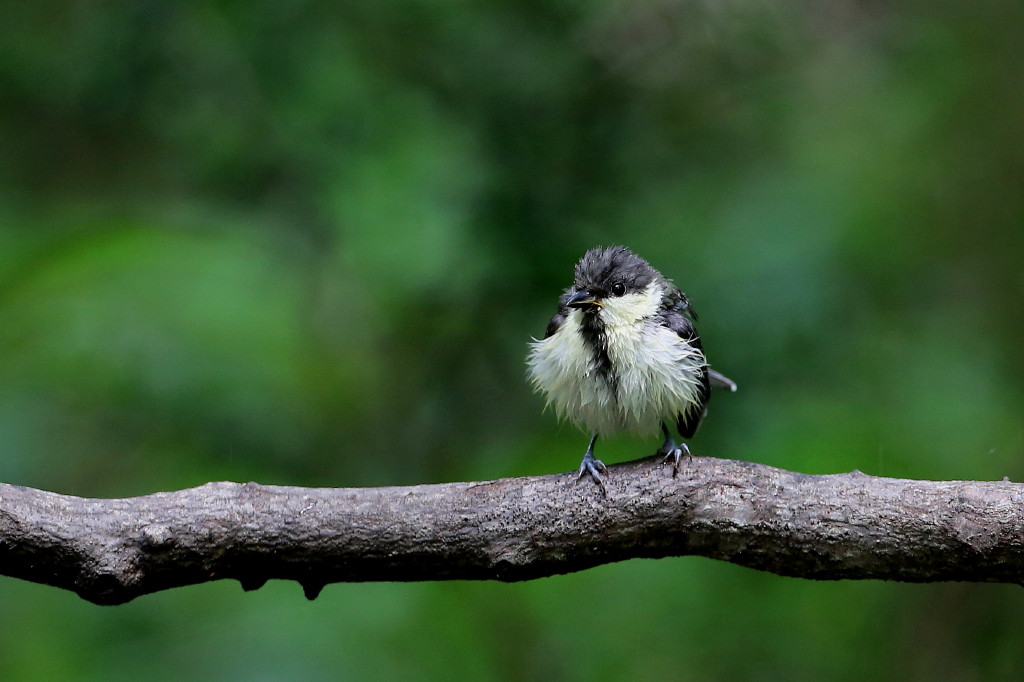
590 466
671 450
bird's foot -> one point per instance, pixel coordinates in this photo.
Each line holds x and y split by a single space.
674 453
593 467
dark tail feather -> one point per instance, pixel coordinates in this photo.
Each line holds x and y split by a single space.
720 380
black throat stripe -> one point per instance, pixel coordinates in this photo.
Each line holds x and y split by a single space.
596 339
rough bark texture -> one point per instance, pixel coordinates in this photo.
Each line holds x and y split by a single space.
852 525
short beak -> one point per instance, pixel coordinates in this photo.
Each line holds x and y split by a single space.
582 299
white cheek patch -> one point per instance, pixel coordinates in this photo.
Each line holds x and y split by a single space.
619 311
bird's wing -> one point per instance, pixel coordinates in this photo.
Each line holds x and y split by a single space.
688 420
559 318
554 324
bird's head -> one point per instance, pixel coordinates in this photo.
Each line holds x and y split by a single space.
618 286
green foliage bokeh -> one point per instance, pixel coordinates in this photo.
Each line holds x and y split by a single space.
307 243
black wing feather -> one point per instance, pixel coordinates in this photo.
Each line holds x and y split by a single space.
677 320
559 318
554 324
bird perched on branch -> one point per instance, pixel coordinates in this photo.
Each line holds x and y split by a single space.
622 354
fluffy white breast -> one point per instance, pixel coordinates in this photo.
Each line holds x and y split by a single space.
656 373
565 369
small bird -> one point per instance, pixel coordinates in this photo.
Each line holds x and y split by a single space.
622 354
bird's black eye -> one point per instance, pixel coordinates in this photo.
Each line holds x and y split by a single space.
618 289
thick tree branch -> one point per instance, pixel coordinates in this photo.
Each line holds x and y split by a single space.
110 551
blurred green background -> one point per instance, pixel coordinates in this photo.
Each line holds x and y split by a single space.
307 243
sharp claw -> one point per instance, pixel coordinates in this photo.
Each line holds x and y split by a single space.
593 468
676 454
